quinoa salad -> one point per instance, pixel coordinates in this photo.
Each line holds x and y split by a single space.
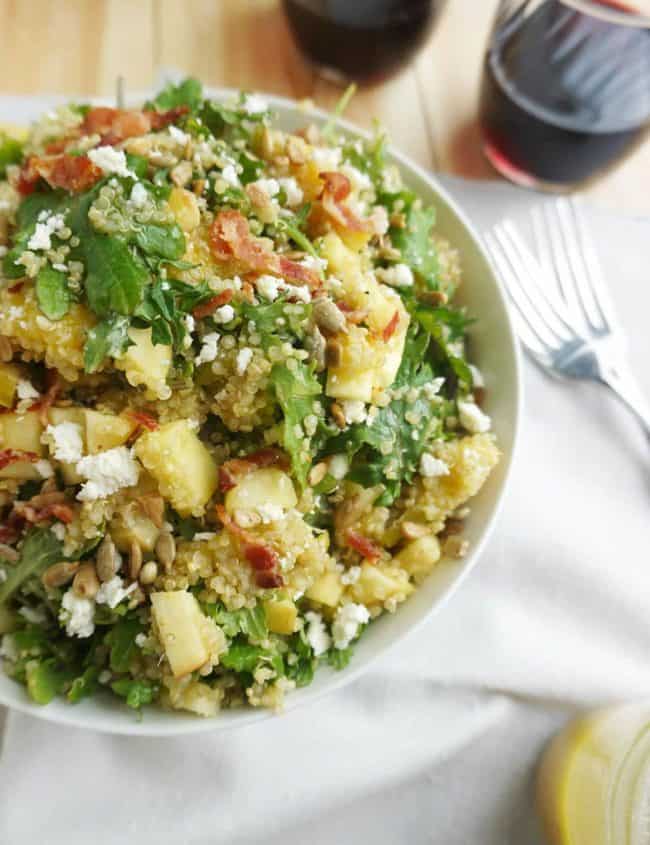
237 420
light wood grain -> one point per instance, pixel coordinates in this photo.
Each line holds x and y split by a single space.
74 46
81 46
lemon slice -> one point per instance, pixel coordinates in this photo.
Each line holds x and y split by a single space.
594 780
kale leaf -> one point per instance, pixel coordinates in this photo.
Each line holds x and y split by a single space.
40 549
251 622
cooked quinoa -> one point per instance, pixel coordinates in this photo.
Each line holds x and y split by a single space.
237 420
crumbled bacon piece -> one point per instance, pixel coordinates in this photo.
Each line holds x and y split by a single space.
366 548
72 173
210 305
14 456
62 512
46 401
143 420
115 125
231 241
262 558
336 189
390 327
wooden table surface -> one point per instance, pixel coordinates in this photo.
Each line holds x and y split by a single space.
81 46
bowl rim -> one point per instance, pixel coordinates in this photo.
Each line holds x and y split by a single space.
185 724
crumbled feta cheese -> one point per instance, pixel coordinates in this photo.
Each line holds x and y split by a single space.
204 535
477 376
178 135
46 226
243 360
292 189
354 410
208 351
317 635
26 390
432 388
431 467
110 160
78 615
224 314
58 529
113 592
105 676
140 639
269 186
398 276
378 219
8 648
139 195
338 466
313 262
327 158
270 513
254 104
299 292
66 440
190 324
347 622
268 286
472 418
230 177
44 468
106 473
351 575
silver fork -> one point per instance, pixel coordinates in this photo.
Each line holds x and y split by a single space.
561 309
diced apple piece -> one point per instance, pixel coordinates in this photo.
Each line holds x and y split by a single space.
376 584
9 377
266 486
326 590
106 431
23 433
184 469
185 208
281 616
352 377
179 621
419 556
132 526
147 364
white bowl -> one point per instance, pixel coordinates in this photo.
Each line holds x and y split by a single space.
493 349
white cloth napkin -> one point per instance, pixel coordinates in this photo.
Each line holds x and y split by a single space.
437 744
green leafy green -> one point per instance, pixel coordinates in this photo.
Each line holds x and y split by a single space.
243 657
300 667
52 292
39 550
136 693
452 367
161 241
121 641
415 243
84 685
251 622
165 306
115 275
188 93
296 391
370 158
110 338
45 679
11 152
26 219
338 658
275 322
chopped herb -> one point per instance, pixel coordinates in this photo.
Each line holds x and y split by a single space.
110 338
52 293
39 550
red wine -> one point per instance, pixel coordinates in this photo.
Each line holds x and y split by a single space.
361 39
564 94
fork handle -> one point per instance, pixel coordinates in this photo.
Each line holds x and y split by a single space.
628 391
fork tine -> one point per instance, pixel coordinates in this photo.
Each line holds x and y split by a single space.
586 268
534 287
548 243
531 332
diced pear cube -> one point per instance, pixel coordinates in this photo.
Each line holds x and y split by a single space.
376 584
106 431
179 621
147 364
265 486
185 208
281 616
23 433
9 377
327 590
419 556
184 469
352 377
